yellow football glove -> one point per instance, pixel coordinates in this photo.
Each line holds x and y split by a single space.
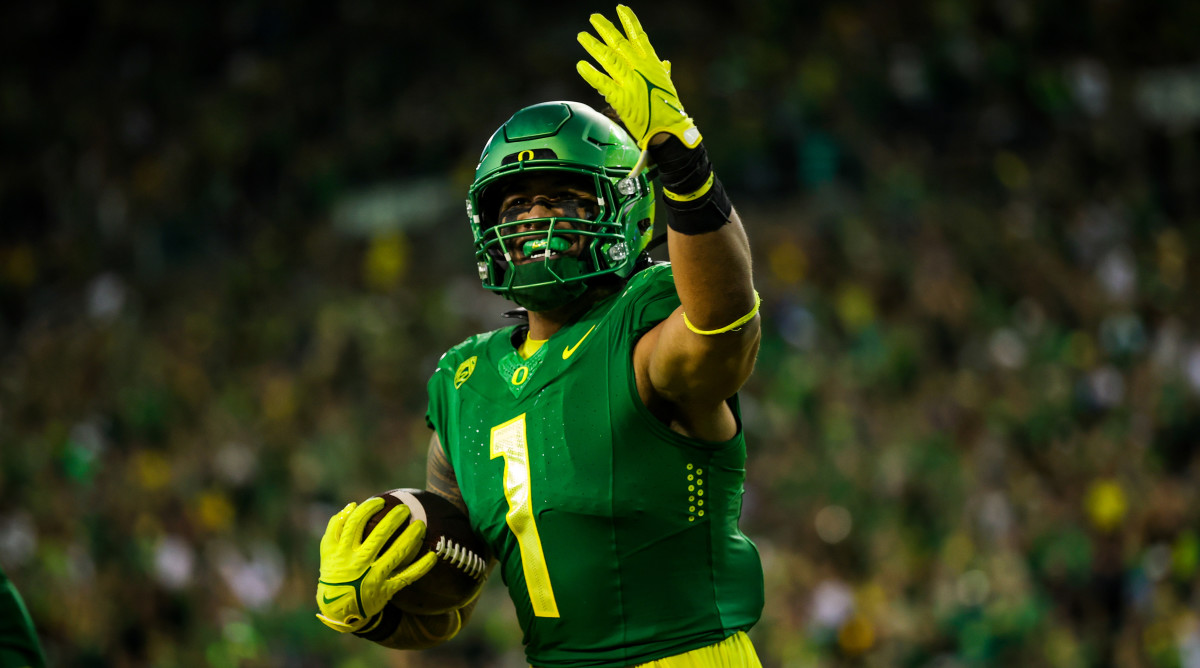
356 581
638 85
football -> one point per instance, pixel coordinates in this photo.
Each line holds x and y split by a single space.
462 555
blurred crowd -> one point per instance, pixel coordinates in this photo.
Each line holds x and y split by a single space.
232 247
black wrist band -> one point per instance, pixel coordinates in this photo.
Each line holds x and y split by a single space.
681 169
389 621
706 214
695 196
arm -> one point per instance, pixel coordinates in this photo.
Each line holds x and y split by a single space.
689 365
696 373
425 631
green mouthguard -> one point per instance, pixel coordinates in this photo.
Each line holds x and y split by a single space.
535 246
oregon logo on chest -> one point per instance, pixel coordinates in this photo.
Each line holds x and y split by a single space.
520 375
516 371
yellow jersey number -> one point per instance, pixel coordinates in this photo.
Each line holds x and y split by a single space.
509 442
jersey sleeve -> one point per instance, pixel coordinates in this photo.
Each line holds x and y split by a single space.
652 297
453 370
441 386
435 413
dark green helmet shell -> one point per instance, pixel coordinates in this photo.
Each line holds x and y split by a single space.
563 137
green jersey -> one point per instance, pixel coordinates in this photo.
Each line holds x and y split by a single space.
617 537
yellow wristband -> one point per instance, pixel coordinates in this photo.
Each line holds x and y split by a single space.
693 196
736 324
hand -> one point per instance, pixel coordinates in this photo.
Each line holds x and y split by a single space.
356 581
638 84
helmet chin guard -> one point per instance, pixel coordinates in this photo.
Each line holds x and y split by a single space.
548 284
574 140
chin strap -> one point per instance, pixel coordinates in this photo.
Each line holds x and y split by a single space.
520 313
655 243
641 164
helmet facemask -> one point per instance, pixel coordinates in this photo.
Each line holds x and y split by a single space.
546 262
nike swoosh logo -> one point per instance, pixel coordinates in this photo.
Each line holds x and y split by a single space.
570 350
328 600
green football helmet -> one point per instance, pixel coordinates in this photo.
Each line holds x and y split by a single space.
571 138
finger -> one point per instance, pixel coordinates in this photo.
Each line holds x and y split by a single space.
616 67
600 52
595 79
403 549
387 526
414 572
333 530
633 30
358 519
608 31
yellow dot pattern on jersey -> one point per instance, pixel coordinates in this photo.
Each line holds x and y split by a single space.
695 479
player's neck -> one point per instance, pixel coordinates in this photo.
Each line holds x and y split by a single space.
543 324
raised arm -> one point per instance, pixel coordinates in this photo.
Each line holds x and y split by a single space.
696 359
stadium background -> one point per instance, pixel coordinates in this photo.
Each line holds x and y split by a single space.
232 247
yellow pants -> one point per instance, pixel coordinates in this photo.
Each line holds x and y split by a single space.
732 652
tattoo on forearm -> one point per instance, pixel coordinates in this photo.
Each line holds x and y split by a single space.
439 475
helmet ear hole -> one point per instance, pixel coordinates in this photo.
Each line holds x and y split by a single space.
488 208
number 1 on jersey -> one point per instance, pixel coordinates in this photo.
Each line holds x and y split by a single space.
508 441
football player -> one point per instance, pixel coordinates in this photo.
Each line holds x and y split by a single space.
598 447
